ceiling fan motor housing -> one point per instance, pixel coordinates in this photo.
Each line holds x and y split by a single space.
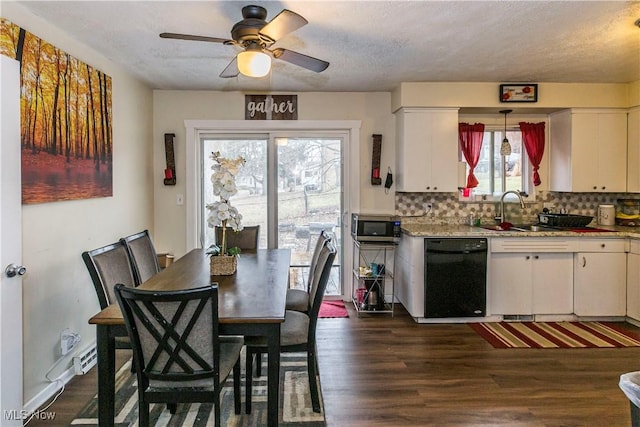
248 29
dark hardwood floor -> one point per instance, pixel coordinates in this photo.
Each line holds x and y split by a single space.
384 371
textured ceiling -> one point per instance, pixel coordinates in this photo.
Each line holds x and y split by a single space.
371 45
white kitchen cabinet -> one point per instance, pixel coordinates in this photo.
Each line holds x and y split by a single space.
633 150
510 284
600 278
410 274
427 150
531 283
588 150
633 280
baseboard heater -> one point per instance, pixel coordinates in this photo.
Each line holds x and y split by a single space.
83 362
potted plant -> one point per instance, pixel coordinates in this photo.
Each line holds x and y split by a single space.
221 213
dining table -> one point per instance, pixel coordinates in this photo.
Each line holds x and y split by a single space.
251 303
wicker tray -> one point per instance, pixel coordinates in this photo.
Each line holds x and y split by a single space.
564 220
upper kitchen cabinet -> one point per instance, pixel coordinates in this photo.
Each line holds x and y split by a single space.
588 151
427 150
633 151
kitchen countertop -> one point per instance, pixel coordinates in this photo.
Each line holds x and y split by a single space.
436 230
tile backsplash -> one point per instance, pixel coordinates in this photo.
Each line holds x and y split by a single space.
447 209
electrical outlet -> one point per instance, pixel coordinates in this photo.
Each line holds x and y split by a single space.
68 340
427 206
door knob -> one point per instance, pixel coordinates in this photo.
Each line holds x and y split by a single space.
12 270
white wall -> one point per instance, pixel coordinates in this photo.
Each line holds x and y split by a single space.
58 292
171 108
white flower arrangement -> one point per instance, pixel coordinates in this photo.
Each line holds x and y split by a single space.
221 213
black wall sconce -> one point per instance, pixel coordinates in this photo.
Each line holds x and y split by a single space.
170 170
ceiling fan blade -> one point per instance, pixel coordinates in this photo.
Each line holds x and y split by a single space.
194 38
231 70
284 23
304 61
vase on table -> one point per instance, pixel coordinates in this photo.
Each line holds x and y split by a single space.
223 265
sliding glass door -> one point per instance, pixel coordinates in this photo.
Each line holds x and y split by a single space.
291 185
252 180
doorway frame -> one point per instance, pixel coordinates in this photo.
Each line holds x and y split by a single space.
11 321
195 129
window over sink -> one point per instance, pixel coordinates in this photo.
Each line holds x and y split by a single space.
497 174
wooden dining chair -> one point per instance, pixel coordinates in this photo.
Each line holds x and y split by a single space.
245 239
298 299
298 332
178 353
142 255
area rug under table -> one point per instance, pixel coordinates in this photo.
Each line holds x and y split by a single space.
556 335
295 402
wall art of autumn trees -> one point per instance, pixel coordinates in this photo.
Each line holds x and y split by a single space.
65 121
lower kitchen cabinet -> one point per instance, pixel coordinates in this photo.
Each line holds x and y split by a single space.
600 284
555 276
633 280
531 283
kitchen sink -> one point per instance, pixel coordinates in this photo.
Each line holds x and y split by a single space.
524 228
492 227
542 228
535 227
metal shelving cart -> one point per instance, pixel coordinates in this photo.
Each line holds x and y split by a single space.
373 268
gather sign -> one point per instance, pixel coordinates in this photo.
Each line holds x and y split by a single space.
271 107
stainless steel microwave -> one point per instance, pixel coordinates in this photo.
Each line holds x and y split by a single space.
375 228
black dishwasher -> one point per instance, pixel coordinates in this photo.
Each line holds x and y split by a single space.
455 277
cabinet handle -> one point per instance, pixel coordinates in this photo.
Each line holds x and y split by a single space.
435 188
603 245
527 257
536 257
595 187
584 261
428 188
604 188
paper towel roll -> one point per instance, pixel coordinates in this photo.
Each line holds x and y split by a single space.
606 215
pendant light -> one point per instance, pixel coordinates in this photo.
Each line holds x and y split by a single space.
505 148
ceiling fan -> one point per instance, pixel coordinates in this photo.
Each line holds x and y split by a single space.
256 36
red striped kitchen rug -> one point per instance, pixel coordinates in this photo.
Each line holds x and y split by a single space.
555 335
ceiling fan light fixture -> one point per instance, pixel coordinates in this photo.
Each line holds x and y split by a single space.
254 63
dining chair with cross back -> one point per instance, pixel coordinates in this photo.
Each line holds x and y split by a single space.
178 353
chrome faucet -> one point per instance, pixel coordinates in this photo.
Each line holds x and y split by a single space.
501 217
